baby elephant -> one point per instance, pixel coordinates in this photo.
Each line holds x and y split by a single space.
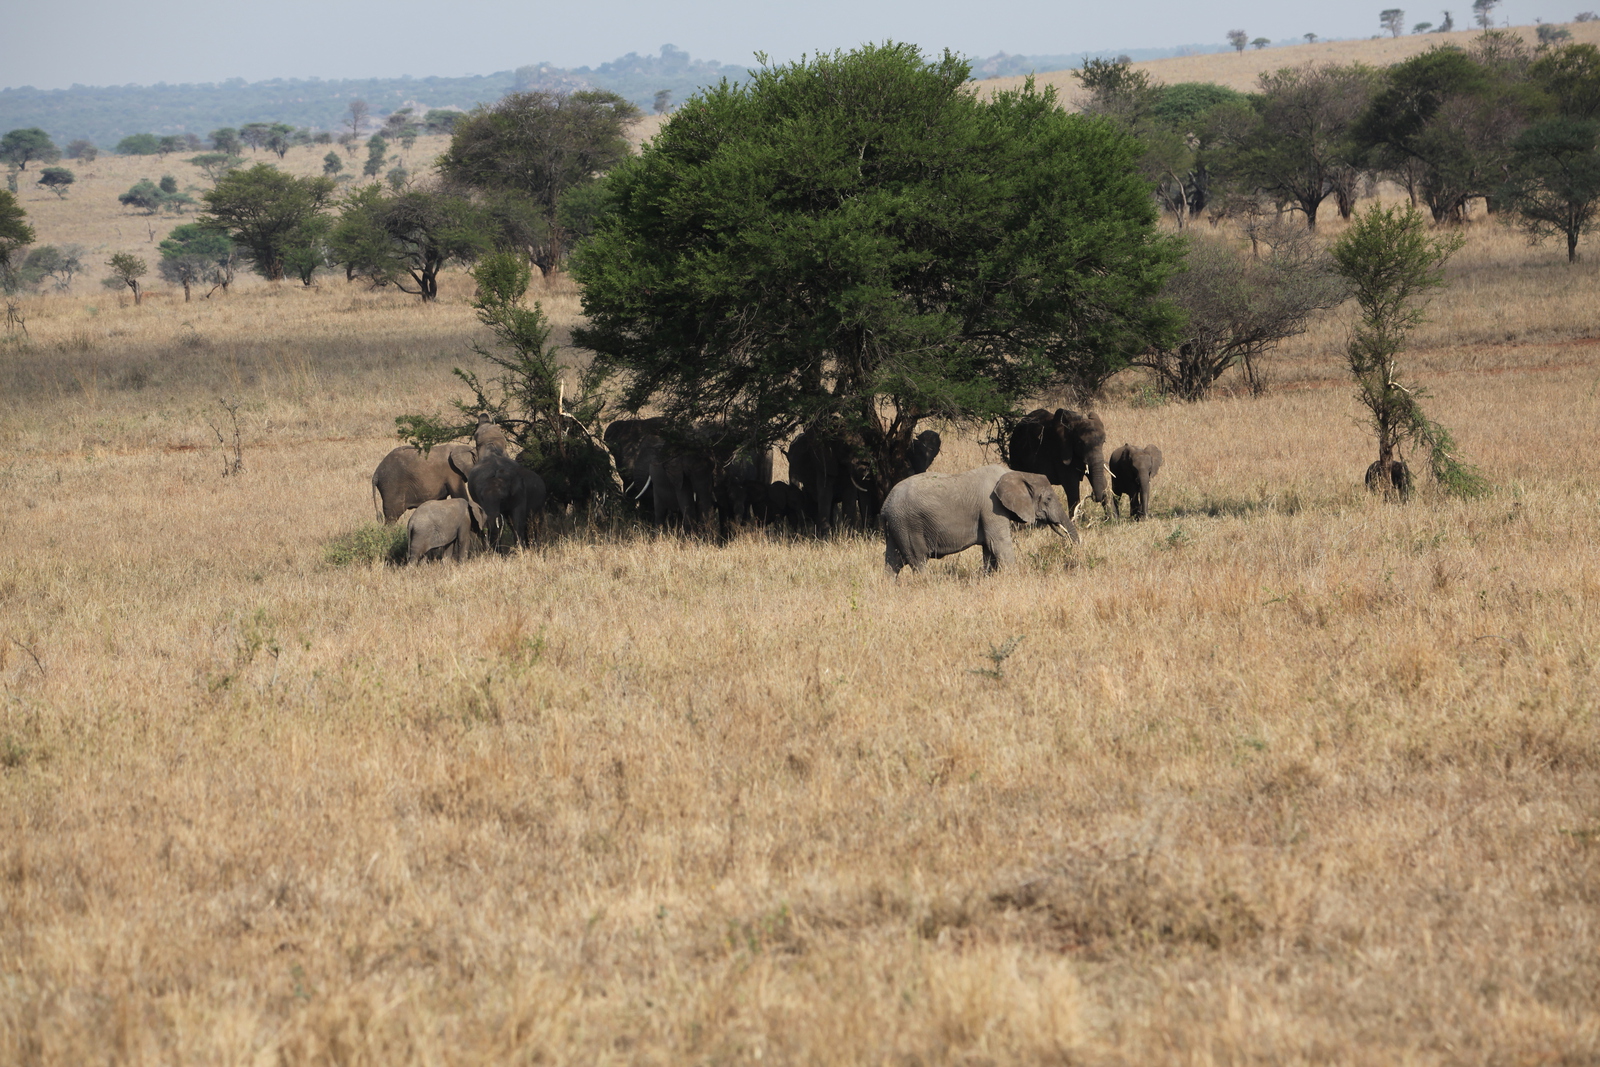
929 516
1132 470
438 526
1398 483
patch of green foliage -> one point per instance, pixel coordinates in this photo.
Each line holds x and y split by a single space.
366 545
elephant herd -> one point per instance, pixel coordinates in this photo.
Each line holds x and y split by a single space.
694 479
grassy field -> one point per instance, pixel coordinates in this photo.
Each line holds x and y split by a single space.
1285 775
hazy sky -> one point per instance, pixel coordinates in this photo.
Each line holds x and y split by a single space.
98 42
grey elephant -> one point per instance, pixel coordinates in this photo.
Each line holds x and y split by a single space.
507 492
489 437
1065 447
440 526
407 477
932 515
1132 470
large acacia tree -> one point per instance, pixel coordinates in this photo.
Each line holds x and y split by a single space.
860 239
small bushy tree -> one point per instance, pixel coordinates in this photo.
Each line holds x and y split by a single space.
1392 264
57 179
126 270
1554 180
57 264
226 140
1239 307
1392 19
139 144
1239 39
198 255
84 150
216 165
377 151
527 391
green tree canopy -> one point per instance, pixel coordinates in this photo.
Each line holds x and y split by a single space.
126 270
215 164
536 145
15 235
859 236
1445 120
56 179
1301 147
408 237
193 254
269 214
139 144
1554 179
20 147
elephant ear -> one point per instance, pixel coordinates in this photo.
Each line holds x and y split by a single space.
1015 495
480 518
461 460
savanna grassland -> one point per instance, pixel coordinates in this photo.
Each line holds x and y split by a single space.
1284 775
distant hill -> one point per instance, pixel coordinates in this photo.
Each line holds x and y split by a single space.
106 114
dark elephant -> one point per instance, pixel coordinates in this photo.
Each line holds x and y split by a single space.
929 516
407 477
783 505
666 469
1398 482
628 441
440 526
507 492
1063 447
1132 470
831 467
742 480
924 450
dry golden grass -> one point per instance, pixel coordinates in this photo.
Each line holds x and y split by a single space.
1284 775
1242 70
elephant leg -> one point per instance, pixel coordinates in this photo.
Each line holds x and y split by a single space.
892 559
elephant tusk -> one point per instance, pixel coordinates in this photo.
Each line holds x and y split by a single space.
1070 532
643 487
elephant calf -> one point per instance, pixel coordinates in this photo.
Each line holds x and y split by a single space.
1398 482
1132 471
440 526
928 516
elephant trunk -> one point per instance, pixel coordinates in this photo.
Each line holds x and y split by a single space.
1098 477
1143 508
